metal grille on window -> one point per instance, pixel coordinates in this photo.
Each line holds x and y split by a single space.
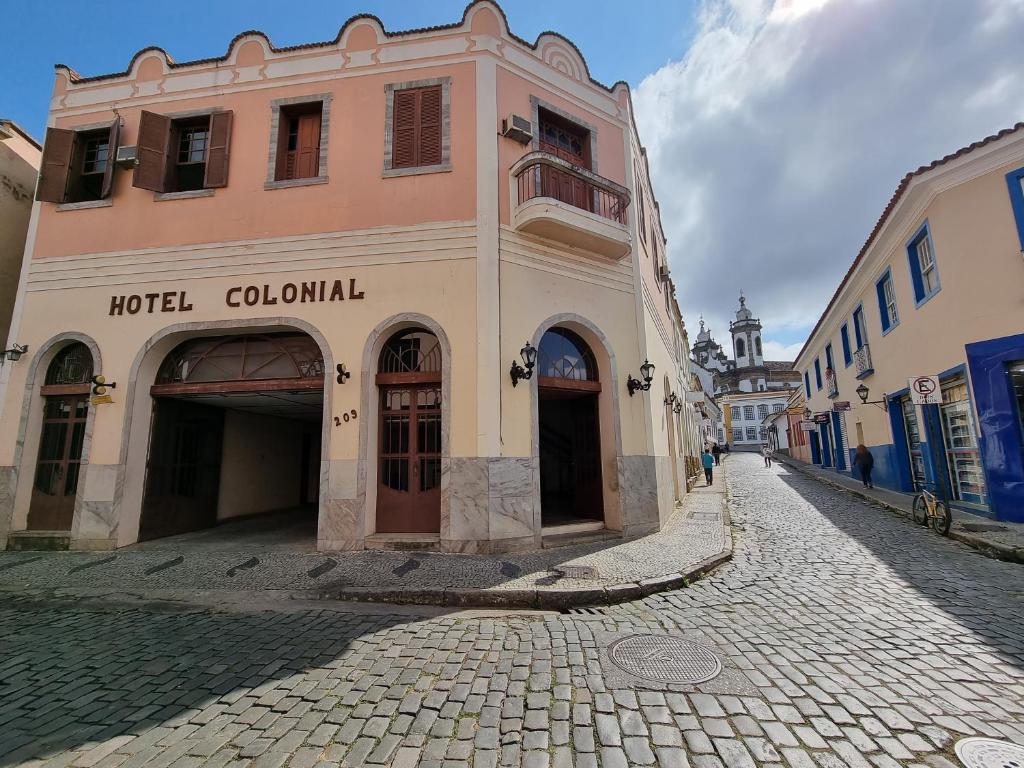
72 365
962 458
412 351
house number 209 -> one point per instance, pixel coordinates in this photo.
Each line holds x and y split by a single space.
346 417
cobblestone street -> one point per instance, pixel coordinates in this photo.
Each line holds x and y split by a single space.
848 636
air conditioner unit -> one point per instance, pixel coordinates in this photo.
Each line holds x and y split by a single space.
517 128
125 157
663 273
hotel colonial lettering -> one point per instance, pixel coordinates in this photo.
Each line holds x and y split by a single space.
315 318
248 295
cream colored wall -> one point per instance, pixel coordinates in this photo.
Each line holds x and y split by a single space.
19 167
261 461
431 282
981 272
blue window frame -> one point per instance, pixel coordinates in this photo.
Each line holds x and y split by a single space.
829 362
844 335
817 372
1015 182
887 302
924 272
859 331
807 383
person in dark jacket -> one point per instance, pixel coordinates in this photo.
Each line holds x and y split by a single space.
865 462
716 451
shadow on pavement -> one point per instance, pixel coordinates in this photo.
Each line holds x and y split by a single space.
74 677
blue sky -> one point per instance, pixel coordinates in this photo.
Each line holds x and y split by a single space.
658 29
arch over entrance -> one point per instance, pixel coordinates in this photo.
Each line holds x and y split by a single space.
65 393
571 485
236 431
409 446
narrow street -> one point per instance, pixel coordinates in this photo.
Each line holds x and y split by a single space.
847 636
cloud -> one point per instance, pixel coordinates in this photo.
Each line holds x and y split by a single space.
773 350
778 138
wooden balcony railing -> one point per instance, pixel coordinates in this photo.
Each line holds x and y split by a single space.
540 174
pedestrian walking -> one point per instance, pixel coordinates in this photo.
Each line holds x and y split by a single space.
865 462
709 466
766 451
716 451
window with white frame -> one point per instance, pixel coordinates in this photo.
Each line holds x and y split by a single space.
748 412
762 411
762 434
777 408
751 433
737 434
736 412
887 302
926 263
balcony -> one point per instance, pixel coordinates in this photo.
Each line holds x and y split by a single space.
862 362
564 202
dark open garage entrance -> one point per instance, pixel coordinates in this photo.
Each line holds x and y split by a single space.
236 432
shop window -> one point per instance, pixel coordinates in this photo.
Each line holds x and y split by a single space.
78 166
963 460
416 129
183 154
924 274
887 302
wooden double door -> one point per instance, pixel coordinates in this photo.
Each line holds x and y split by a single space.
409 465
58 467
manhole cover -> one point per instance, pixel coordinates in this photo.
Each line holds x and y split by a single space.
978 752
664 659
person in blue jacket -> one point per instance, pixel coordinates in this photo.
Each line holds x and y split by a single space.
709 466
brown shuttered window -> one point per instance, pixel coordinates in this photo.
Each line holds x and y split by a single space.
152 152
217 150
56 165
298 142
417 127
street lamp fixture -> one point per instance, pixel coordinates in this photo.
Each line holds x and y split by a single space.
15 352
807 414
517 371
863 393
647 372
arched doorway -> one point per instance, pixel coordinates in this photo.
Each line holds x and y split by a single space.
569 432
65 392
409 445
236 432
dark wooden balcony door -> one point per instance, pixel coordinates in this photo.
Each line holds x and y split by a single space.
409 471
57 468
568 142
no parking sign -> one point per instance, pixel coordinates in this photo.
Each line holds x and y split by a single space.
925 390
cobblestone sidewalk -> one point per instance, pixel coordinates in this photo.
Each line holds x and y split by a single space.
1004 541
694 541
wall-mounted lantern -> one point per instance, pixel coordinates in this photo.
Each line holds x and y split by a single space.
342 373
100 385
15 352
517 371
647 372
674 401
863 393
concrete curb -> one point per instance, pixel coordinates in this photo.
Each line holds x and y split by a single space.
543 599
991 549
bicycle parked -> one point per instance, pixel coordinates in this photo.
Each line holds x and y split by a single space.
929 508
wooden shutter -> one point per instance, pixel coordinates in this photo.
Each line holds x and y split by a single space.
217 150
404 139
56 165
152 152
430 126
307 162
108 172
